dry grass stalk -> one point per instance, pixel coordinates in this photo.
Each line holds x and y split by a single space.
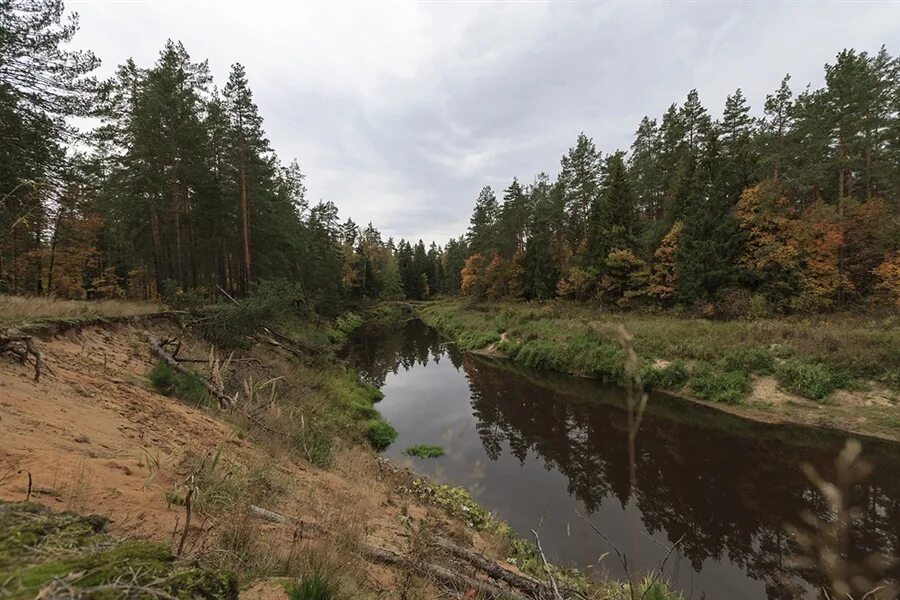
825 543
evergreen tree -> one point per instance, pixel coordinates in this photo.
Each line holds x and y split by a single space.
579 179
482 224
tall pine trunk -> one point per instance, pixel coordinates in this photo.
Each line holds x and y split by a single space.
245 222
53 244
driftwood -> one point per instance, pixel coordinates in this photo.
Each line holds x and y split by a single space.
439 573
158 349
531 588
274 517
294 346
524 584
23 346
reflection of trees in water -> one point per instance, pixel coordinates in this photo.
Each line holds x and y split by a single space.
728 493
377 352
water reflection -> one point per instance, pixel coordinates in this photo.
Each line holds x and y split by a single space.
537 445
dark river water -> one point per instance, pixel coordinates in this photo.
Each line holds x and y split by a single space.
538 448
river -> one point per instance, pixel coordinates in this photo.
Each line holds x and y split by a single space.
538 449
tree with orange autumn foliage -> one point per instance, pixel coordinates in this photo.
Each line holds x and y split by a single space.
771 259
821 238
870 232
472 276
888 278
664 270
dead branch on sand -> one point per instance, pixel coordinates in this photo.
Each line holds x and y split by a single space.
23 347
158 349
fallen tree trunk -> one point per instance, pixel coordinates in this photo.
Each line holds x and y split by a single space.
274 517
157 347
439 573
529 586
23 346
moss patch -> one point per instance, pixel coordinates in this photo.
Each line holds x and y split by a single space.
39 548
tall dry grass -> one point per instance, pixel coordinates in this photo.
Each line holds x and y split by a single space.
16 310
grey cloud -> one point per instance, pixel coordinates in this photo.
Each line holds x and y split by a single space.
403 119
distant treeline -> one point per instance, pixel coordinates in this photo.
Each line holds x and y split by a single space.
793 211
176 190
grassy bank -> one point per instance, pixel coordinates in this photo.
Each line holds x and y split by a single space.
821 367
22 310
280 495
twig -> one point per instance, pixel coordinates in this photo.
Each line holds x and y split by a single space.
187 520
547 570
659 572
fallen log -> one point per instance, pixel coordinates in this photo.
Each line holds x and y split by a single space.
23 346
524 584
274 517
530 587
156 346
439 573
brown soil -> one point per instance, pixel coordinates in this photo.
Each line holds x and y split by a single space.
97 439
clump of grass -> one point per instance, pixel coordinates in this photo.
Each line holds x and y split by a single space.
671 377
314 587
171 383
51 554
425 451
749 360
729 387
380 434
810 380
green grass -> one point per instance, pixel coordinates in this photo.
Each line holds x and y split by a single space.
810 380
671 377
729 387
39 547
425 451
380 434
314 587
171 383
581 339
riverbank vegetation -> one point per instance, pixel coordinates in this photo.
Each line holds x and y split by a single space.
829 361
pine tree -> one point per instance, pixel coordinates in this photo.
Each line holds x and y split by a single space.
579 179
248 147
541 272
776 126
613 219
482 224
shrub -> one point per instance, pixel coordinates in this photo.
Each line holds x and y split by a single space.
730 387
670 377
380 434
758 307
314 587
425 451
315 443
171 383
749 360
810 380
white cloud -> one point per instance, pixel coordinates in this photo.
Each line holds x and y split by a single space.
401 112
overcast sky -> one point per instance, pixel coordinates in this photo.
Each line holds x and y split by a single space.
400 113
